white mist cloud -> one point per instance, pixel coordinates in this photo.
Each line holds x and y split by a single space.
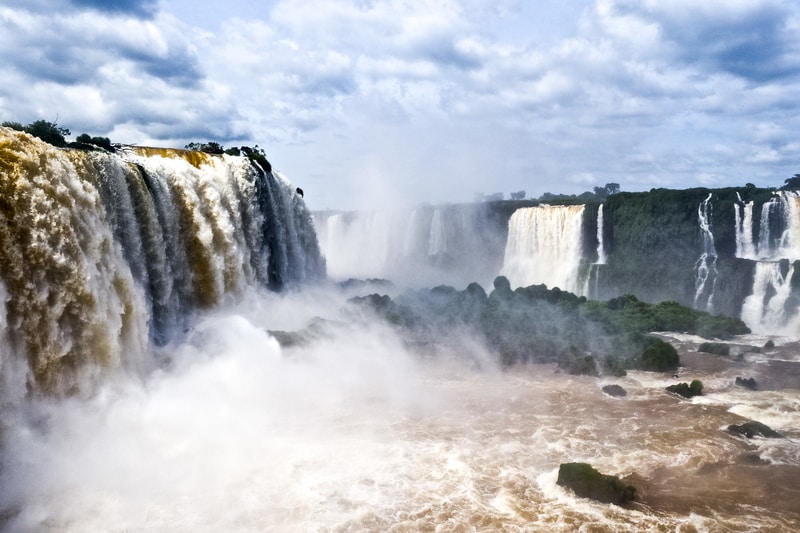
233 433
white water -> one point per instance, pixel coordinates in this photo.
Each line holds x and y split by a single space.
103 253
706 265
743 213
601 249
764 311
545 246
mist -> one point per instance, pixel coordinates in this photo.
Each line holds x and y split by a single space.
232 433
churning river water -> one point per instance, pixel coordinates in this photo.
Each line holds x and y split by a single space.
354 433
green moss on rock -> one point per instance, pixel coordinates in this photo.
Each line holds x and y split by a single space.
587 482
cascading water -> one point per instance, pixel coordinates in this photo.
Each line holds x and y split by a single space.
743 212
601 249
101 253
765 309
544 246
706 266
591 288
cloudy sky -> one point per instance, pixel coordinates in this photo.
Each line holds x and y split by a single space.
377 102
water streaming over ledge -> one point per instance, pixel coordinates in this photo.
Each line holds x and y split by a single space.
101 254
545 246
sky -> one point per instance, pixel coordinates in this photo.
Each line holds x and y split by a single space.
379 103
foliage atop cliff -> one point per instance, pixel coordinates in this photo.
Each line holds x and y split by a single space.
538 324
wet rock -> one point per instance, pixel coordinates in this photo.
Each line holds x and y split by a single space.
587 482
614 390
687 390
747 383
754 429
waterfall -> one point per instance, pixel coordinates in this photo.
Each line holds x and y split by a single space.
601 251
764 311
101 254
743 213
706 265
426 246
437 243
544 246
766 243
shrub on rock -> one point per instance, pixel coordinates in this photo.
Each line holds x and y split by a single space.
659 356
715 348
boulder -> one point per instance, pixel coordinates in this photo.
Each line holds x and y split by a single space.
587 482
754 429
747 383
687 390
614 390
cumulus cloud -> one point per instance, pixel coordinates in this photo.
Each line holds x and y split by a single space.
430 100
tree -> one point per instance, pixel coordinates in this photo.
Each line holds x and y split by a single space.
102 142
792 184
49 132
13 125
519 195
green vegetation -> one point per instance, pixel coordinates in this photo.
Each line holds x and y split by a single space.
715 348
49 132
84 141
537 324
659 356
255 154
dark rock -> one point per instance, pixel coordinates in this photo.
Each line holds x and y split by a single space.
587 482
754 429
747 383
715 348
687 390
614 390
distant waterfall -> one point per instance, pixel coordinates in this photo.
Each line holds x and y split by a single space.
706 266
425 246
601 250
102 253
544 246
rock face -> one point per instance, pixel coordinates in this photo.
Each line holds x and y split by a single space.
754 429
614 390
587 482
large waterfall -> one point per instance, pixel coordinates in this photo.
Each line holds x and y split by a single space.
545 246
100 254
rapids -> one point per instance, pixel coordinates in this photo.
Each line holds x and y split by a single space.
354 433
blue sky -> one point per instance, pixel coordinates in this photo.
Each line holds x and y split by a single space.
398 102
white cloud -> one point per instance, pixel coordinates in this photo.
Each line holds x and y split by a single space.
430 100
